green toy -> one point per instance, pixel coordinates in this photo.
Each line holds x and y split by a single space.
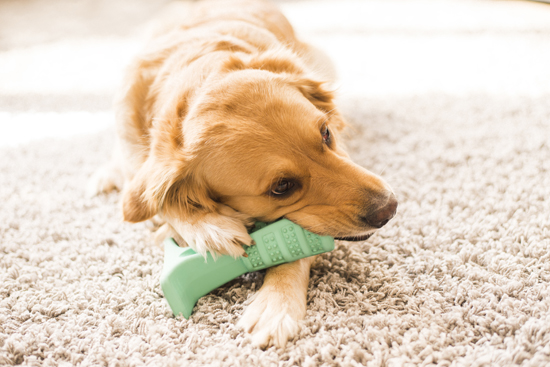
187 275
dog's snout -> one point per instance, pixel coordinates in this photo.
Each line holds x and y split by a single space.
382 215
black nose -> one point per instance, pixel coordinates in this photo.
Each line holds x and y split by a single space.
382 215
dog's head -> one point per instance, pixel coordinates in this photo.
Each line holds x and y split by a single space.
267 145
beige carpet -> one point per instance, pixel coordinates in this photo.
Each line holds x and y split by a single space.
461 277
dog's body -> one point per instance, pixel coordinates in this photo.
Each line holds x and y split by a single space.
223 121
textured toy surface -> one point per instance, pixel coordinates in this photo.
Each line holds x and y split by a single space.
187 275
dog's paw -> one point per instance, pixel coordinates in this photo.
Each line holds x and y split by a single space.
273 317
107 178
215 233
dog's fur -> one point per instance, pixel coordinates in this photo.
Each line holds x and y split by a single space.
220 111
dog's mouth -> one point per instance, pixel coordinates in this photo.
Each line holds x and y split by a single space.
358 238
355 238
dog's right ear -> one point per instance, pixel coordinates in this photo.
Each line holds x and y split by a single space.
143 196
166 185
166 192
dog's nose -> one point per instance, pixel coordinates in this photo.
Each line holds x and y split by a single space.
382 215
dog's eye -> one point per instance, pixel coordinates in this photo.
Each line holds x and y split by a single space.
282 187
326 134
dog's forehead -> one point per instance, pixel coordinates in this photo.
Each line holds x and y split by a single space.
263 106
256 96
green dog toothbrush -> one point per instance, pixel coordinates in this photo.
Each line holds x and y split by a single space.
187 276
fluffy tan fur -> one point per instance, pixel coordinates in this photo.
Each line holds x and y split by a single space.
219 108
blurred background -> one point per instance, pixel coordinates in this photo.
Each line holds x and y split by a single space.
61 60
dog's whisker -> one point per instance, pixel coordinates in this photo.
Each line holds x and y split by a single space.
383 169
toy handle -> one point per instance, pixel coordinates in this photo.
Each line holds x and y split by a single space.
195 276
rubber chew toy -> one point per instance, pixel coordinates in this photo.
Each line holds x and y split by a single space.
187 275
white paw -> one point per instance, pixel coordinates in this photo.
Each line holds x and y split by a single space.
214 233
105 179
272 318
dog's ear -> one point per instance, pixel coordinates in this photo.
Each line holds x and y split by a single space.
186 198
315 92
322 99
143 196
171 191
166 184
136 205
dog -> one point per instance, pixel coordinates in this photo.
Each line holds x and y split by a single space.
225 119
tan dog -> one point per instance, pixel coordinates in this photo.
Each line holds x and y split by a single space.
223 121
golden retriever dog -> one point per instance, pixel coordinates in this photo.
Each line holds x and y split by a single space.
224 120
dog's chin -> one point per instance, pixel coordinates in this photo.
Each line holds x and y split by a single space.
355 238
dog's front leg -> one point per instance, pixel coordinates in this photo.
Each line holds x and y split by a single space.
275 313
221 233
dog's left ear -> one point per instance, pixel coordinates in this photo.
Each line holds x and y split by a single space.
316 93
321 98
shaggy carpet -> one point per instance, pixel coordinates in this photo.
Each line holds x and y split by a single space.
461 276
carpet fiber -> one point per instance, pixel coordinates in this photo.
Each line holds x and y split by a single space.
460 277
